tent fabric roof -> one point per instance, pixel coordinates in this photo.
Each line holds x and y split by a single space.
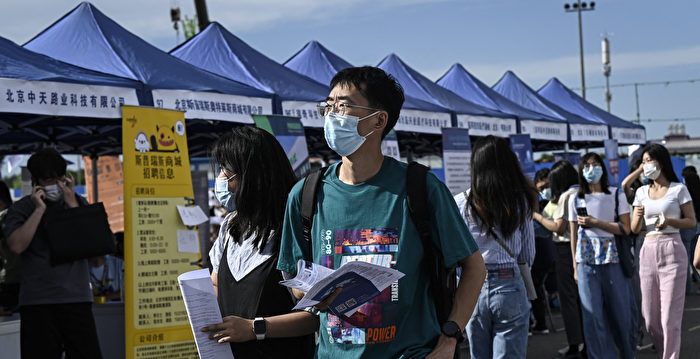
416 85
320 64
219 51
513 88
561 95
316 62
86 37
458 80
19 63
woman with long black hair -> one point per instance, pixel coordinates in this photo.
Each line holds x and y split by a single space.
498 210
663 207
254 179
597 213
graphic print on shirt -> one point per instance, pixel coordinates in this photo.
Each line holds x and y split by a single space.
375 321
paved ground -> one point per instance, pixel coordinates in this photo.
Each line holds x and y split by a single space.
546 346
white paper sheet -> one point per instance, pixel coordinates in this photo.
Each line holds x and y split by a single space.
187 241
320 281
202 310
192 215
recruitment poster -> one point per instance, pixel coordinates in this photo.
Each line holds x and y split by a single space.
522 146
290 133
456 157
612 157
158 247
390 146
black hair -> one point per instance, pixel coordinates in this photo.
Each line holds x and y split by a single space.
689 169
381 90
46 163
562 176
660 154
5 197
692 182
541 175
583 184
501 194
264 177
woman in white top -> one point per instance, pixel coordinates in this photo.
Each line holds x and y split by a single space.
662 207
254 179
607 301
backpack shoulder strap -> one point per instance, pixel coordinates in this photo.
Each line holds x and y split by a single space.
308 202
416 191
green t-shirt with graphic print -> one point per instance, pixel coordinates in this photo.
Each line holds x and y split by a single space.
371 222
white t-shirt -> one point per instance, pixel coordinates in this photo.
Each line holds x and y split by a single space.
601 206
669 205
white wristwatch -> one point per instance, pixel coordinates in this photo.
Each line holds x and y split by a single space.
259 328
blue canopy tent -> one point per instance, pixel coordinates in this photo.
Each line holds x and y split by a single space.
582 132
541 127
86 37
480 120
624 132
316 62
46 102
217 50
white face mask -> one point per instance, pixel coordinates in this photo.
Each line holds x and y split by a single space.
341 132
652 171
53 193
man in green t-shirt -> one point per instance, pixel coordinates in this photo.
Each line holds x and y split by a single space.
362 214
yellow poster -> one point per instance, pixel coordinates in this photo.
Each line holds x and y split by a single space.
157 178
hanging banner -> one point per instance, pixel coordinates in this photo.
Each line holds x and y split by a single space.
422 121
588 133
158 246
64 99
306 111
544 130
484 126
390 146
522 146
110 189
629 136
456 159
212 106
290 134
612 158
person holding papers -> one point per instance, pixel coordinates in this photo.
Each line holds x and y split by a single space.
254 178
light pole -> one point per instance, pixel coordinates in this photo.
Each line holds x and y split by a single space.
605 46
579 7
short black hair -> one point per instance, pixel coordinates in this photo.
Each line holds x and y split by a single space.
542 175
689 169
46 163
5 196
381 90
562 176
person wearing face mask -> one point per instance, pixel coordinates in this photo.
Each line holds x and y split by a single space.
55 301
254 178
663 207
362 214
607 303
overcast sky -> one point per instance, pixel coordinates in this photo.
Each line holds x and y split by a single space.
651 40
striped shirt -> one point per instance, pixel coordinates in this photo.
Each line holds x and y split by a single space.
521 243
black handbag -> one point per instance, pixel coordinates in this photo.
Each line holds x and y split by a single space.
78 233
624 244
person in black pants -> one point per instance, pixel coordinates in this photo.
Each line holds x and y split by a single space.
563 181
55 300
544 253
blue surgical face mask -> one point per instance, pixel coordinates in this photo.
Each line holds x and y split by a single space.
341 133
644 179
546 194
225 197
593 174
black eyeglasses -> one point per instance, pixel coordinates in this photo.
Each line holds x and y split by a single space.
340 108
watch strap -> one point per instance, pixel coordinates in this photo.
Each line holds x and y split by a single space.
259 335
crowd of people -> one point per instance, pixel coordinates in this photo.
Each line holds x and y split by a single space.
619 259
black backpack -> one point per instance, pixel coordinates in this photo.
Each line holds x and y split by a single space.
443 281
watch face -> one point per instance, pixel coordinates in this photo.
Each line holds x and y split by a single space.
259 326
450 329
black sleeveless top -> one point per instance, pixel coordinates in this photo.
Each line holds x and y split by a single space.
259 294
